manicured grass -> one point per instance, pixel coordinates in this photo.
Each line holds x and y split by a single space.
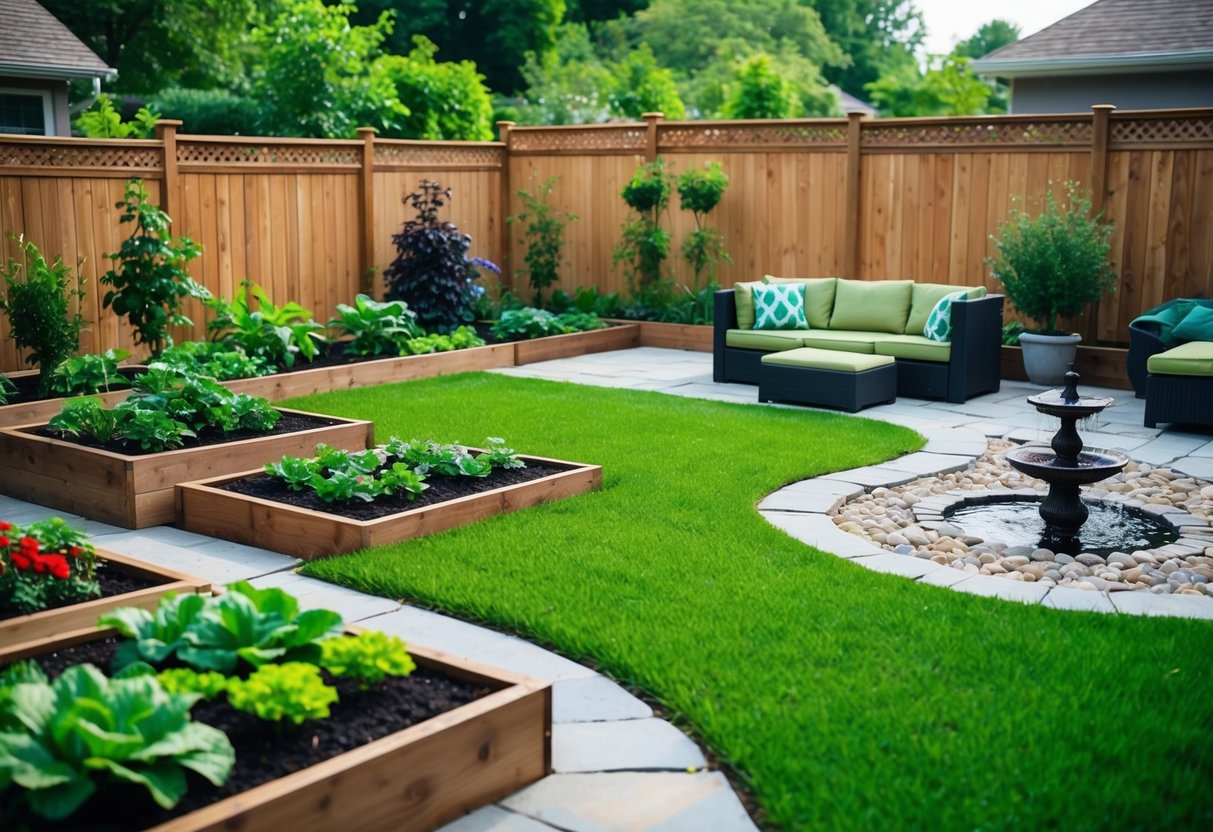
845 698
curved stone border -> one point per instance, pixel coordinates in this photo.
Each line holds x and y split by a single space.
803 510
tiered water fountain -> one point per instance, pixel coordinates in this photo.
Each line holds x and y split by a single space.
1066 467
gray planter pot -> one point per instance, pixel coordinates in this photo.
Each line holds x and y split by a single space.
1046 358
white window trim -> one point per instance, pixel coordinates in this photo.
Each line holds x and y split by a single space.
48 109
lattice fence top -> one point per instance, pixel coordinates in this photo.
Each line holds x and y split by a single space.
674 137
623 139
439 156
13 154
902 135
1161 130
222 153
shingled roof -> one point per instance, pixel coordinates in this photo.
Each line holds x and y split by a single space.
34 44
1113 34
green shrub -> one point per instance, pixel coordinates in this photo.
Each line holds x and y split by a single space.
645 244
700 191
149 278
37 300
1054 264
208 112
103 121
543 236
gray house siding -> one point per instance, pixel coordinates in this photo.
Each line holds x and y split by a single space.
1130 91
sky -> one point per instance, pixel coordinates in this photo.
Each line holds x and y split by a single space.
949 21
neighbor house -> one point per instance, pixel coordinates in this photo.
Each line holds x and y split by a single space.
38 56
1135 54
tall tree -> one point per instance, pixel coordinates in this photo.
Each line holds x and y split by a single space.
494 34
587 11
878 36
990 36
156 44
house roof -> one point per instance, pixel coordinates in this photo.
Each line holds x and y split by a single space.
34 44
1113 35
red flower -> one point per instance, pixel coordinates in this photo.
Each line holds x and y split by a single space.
58 567
5 526
20 561
4 542
75 551
39 564
28 545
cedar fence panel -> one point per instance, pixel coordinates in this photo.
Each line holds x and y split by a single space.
312 220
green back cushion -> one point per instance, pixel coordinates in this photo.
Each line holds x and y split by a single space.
1164 319
819 297
939 323
743 294
779 307
872 305
925 297
1197 325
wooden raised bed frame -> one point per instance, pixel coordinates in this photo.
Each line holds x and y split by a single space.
616 337
137 491
43 410
412 781
33 631
307 534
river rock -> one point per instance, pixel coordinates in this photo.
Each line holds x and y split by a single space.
1088 559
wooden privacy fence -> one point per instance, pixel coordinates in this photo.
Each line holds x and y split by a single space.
312 220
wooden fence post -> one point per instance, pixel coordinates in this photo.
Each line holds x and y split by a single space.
507 194
366 213
170 193
851 217
650 147
1099 155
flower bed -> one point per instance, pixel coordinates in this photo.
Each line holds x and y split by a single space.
137 490
214 508
448 761
37 629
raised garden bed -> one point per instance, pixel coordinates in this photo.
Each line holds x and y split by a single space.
412 780
619 336
42 410
34 630
306 381
136 491
207 508
696 337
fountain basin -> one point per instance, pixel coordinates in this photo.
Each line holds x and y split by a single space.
1043 463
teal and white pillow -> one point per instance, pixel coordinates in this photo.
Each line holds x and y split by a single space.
939 322
779 307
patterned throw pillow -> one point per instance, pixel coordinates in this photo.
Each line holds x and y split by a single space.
779 307
939 322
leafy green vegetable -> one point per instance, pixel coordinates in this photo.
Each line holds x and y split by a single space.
207 684
60 740
292 690
295 471
276 334
213 359
369 657
529 322
378 328
88 374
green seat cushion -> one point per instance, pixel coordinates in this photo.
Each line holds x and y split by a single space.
818 300
848 362
924 298
743 294
1194 358
1197 325
765 339
779 307
829 339
915 347
872 305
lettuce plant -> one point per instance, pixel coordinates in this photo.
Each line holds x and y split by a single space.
245 626
214 360
368 657
60 740
293 690
529 322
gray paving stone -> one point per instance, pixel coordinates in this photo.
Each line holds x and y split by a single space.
496 819
1065 598
819 531
314 594
222 565
629 802
630 745
990 587
899 564
595 699
922 463
1178 606
1195 466
872 476
788 500
478 643
946 577
825 485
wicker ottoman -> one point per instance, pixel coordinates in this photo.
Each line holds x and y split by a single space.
827 378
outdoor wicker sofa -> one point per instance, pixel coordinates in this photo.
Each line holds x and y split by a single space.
1170 370
966 366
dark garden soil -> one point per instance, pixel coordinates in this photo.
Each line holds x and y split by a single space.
27 386
265 751
441 489
289 423
113 582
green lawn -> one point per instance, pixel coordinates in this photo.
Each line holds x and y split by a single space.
845 698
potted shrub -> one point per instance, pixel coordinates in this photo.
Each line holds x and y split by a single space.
1051 266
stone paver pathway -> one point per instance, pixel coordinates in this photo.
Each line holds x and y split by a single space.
617 768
